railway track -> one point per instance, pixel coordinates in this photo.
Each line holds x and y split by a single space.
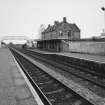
92 80
51 91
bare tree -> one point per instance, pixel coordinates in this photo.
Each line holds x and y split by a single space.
41 29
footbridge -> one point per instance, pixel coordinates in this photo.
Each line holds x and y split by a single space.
14 39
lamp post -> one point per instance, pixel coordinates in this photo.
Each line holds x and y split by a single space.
103 9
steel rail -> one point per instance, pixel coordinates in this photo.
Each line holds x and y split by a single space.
66 68
40 93
74 92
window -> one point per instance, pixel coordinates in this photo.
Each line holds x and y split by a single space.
69 34
60 33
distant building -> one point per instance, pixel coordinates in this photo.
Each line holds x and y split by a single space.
61 30
56 37
102 35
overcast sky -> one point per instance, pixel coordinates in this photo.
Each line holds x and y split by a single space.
24 17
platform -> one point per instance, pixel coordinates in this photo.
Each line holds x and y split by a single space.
13 87
90 57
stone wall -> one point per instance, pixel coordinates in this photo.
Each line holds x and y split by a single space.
64 46
90 47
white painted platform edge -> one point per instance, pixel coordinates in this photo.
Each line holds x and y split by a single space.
34 93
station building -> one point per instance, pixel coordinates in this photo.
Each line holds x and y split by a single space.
55 37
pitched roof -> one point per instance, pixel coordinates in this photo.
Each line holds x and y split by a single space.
74 27
50 28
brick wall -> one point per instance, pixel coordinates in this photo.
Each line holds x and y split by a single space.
61 30
90 47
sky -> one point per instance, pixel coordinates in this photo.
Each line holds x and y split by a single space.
24 17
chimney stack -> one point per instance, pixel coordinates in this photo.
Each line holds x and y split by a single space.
49 25
64 19
56 23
